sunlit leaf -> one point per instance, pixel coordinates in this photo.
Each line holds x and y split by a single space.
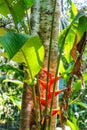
15 8
3 31
72 126
82 28
74 121
12 42
67 36
24 48
73 10
70 38
3 8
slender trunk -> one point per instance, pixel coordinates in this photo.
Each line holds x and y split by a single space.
27 107
41 19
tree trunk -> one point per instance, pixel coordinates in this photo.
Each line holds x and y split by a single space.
27 108
41 21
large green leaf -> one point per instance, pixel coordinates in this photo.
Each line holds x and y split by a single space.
73 10
17 11
24 48
16 8
82 28
70 38
34 53
3 8
12 42
67 36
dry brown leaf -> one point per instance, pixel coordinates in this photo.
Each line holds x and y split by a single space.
74 50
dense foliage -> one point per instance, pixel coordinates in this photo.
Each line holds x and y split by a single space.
72 59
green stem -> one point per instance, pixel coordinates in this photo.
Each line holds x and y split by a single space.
57 69
49 55
30 73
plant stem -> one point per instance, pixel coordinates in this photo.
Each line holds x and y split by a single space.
49 57
57 69
33 89
30 73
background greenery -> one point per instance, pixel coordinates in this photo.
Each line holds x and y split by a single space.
11 81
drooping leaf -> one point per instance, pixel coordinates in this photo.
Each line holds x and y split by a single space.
73 10
3 8
70 38
82 27
33 50
15 8
12 42
68 35
24 48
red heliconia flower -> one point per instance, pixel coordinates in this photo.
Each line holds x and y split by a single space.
50 85
55 93
43 83
55 111
46 72
43 101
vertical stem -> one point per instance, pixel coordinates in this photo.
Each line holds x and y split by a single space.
30 73
33 88
49 57
57 69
